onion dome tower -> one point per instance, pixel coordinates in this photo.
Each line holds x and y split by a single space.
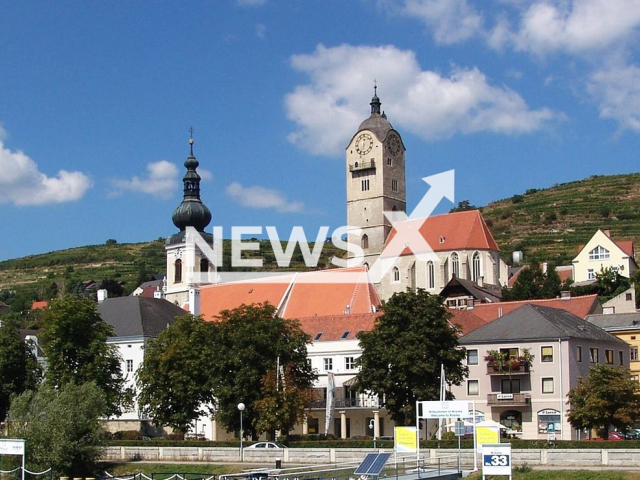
191 212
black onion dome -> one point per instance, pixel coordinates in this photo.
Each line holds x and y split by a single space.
191 212
377 122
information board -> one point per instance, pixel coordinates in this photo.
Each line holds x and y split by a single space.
406 439
496 459
11 447
450 409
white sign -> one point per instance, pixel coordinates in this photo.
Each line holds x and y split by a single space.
11 447
496 459
505 396
451 409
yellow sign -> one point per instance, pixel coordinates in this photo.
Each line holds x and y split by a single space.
406 439
487 435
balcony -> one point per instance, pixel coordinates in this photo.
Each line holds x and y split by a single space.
369 402
509 399
492 369
362 166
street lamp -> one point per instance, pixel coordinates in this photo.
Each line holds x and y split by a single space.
241 408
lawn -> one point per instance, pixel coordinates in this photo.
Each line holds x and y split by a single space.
130 468
566 475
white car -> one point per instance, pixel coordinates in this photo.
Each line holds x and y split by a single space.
267 445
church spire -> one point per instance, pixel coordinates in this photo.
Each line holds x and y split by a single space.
191 212
375 101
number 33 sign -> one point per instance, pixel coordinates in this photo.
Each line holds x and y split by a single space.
496 459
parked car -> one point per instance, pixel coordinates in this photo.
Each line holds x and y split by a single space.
616 436
267 445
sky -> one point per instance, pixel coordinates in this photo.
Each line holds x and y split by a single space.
97 99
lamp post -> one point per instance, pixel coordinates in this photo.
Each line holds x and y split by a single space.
241 408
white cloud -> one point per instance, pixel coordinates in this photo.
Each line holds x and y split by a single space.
21 183
205 174
577 26
452 21
261 197
617 91
331 106
161 180
251 3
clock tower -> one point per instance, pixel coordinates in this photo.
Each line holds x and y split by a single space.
375 181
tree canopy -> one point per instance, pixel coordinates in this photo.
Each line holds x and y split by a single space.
19 368
402 355
74 340
607 397
173 380
532 283
61 427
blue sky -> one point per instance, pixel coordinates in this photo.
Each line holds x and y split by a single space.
96 100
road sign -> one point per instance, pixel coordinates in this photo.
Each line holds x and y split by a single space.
496 459
459 428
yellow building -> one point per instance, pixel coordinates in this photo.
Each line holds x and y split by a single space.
602 252
625 326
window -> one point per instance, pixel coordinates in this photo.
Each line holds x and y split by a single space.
472 357
328 364
349 363
178 271
317 337
546 354
313 425
510 385
608 356
394 185
621 357
364 242
547 385
633 354
204 265
455 264
593 355
389 161
345 335
591 274
628 297
431 275
549 421
396 274
512 419
364 184
599 253
634 378
476 266
129 366
473 387
578 354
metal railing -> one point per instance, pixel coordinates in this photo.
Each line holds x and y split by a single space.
372 402
508 399
362 166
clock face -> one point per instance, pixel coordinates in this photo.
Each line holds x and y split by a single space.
394 144
364 144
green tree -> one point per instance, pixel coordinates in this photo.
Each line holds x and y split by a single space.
402 355
74 341
62 428
173 382
463 205
251 342
532 284
19 368
608 397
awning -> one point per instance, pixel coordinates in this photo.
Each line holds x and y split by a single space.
349 383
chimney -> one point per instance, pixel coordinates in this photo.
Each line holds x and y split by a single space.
102 295
607 232
481 280
470 303
194 301
565 295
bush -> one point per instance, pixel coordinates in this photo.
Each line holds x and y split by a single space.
517 199
127 435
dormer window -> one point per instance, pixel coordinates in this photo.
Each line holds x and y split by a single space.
345 335
317 337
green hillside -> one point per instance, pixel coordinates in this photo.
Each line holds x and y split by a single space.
551 223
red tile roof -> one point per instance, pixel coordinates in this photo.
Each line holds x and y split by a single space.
319 293
466 320
333 327
451 231
579 306
626 246
39 305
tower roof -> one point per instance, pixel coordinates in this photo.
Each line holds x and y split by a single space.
191 212
377 122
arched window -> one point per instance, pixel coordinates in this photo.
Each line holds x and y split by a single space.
512 419
364 242
204 265
476 266
599 253
178 271
396 274
431 275
455 265
366 266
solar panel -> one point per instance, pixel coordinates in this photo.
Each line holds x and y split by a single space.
372 464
